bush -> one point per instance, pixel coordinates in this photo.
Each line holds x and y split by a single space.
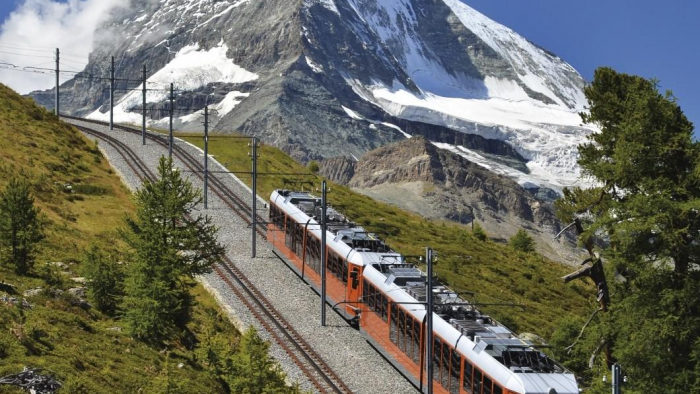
313 167
91 190
479 232
522 242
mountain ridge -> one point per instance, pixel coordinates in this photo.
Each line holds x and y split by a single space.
333 78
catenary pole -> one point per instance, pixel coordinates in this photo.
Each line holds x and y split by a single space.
616 379
254 205
206 154
58 70
111 95
143 115
323 254
429 328
170 127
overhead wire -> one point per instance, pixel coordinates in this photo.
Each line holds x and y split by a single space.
27 55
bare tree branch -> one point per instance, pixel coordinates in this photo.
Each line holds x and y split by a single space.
591 360
571 347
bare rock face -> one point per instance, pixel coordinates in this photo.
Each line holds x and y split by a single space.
416 175
338 169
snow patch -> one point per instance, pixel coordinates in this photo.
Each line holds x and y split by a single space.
314 67
353 114
192 69
328 4
373 125
393 126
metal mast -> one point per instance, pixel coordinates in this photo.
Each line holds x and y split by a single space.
58 56
111 96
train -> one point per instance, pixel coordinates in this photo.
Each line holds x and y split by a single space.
384 294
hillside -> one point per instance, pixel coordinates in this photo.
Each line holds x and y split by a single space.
55 328
492 270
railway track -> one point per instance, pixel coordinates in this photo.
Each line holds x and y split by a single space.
324 379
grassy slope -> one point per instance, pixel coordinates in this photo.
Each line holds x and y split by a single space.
494 271
84 348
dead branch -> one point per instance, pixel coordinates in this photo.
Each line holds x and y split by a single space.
591 360
571 347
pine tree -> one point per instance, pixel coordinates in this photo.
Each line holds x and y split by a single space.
522 242
170 247
21 227
646 209
252 370
105 280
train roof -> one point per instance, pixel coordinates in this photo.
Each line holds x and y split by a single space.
349 240
515 363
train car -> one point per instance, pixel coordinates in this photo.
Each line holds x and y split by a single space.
374 287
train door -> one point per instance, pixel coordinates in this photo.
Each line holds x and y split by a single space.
354 289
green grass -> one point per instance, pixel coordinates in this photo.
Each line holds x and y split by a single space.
494 271
84 203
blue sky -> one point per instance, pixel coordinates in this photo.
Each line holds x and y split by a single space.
651 38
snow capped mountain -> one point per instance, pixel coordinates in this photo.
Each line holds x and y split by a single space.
499 79
324 78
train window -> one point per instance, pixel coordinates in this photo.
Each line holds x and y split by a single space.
477 381
298 239
408 344
345 272
394 329
338 266
313 253
355 274
385 308
416 341
402 329
288 233
445 370
365 291
497 389
380 299
487 385
468 377
372 297
456 369
437 351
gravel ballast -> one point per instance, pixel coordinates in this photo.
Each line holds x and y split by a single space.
343 348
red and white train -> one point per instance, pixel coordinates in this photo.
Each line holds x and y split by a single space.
472 353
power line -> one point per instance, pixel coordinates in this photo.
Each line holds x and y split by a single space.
43 49
24 54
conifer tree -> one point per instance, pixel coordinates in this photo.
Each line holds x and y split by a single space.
646 210
522 242
252 370
21 227
170 247
105 280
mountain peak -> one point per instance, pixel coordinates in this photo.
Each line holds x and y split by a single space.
327 78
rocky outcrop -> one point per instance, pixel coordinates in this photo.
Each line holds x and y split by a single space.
416 175
338 169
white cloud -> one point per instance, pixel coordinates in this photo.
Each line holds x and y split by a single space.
45 25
